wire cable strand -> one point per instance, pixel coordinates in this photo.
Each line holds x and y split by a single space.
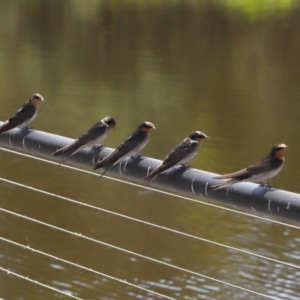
153 189
132 253
148 223
81 267
39 283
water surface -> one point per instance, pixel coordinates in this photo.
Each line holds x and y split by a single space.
230 69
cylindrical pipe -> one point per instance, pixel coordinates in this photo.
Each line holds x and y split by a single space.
249 196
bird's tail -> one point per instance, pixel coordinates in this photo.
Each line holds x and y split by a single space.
224 184
103 163
58 152
151 176
98 165
5 127
107 161
72 148
103 172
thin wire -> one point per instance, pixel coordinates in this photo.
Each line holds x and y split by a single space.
38 283
154 190
135 254
81 267
147 223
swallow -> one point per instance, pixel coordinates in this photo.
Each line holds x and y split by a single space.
181 154
24 115
260 172
132 145
94 135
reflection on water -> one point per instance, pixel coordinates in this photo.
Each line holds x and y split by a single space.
228 68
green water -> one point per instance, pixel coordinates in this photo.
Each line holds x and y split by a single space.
227 68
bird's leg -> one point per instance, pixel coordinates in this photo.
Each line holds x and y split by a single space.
265 184
97 146
26 128
184 166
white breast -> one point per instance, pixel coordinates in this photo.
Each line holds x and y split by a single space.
97 140
28 121
134 151
266 175
189 157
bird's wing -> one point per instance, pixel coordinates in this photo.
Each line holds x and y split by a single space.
23 114
186 148
93 133
127 146
72 147
267 164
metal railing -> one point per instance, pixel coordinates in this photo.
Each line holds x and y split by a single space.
271 202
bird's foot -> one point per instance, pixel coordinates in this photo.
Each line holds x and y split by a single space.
266 185
184 166
26 128
97 146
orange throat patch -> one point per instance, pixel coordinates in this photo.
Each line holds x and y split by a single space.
280 154
35 102
147 129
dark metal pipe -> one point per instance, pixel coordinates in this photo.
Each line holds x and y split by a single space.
268 201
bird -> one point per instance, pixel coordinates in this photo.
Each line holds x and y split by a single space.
24 115
94 135
182 153
260 172
132 145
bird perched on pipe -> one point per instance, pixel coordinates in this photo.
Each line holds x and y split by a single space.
132 145
182 153
91 137
260 172
24 115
